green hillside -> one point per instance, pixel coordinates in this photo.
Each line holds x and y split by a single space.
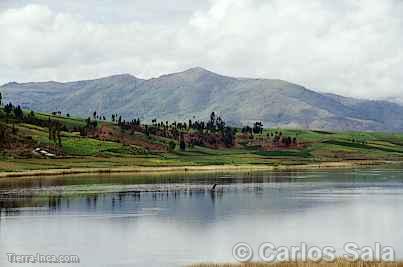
109 145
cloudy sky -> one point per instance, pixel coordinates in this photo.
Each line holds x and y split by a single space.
350 47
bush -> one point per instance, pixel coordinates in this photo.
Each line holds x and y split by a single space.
171 145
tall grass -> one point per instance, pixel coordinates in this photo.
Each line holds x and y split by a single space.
338 263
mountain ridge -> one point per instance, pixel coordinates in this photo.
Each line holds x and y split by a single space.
196 92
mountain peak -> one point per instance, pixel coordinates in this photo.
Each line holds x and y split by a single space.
9 84
198 70
191 74
121 76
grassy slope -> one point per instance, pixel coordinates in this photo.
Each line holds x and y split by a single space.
320 146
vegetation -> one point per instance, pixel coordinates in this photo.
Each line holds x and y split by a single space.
68 142
338 263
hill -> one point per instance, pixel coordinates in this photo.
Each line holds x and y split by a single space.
39 141
197 92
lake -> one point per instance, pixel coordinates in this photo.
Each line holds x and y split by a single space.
174 220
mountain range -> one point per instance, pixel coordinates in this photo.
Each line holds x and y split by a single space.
195 93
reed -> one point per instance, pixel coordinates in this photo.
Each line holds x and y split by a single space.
337 263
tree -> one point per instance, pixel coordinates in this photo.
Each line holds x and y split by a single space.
246 130
220 124
88 122
229 136
211 124
171 145
1 99
146 131
3 133
18 113
8 108
212 118
59 137
50 132
182 144
258 128
55 136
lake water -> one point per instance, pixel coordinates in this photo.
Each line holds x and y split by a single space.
177 220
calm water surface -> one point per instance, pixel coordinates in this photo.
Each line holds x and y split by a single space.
176 220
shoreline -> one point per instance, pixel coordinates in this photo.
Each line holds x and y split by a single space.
198 169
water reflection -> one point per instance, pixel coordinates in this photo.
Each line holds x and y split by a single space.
123 193
173 220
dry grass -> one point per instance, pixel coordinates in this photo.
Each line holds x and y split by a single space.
338 263
174 169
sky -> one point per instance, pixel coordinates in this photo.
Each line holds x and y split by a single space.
347 47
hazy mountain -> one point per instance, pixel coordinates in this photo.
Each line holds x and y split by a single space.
395 99
197 92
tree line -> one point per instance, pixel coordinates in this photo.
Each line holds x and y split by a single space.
213 132
15 114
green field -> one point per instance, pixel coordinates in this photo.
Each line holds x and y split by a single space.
82 152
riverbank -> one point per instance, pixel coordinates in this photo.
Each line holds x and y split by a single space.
209 168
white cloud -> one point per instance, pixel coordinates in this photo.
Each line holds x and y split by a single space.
348 47
351 48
